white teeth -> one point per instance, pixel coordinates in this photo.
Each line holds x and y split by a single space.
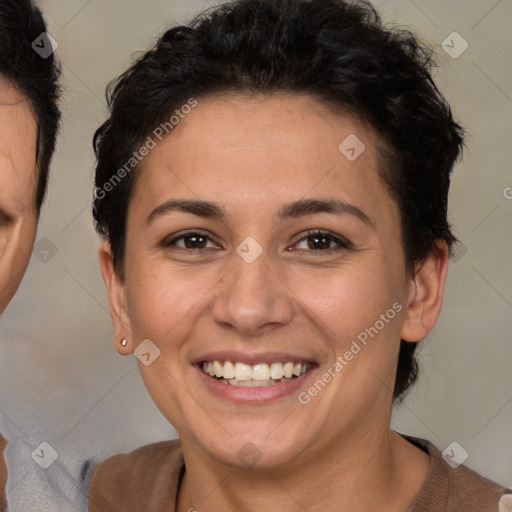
228 372
242 374
276 371
242 371
260 372
217 368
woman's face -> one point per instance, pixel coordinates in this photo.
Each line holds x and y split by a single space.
18 183
253 282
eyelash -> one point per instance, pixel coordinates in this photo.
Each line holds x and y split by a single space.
342 243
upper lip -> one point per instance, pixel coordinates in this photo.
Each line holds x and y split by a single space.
252 358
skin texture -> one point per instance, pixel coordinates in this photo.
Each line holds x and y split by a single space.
252 156
18 183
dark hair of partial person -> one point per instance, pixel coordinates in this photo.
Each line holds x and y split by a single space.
336 51
21 23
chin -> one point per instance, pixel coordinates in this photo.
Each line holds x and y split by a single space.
255 451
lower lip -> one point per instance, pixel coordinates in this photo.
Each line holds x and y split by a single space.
256 394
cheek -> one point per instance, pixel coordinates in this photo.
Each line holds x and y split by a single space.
358 311
345 300
162 301
164 306
29 228
16 242
4 239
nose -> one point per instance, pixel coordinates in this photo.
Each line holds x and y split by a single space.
252 299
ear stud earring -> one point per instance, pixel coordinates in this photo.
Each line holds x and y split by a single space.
123 343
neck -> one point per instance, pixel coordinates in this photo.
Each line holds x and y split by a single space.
350 474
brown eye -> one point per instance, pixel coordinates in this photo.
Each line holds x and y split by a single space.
190 240
194 241
320 241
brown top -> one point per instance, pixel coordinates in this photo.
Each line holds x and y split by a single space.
149 477
3 474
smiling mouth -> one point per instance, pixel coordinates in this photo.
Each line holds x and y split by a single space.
258 375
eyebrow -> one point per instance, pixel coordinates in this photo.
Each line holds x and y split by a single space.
295 209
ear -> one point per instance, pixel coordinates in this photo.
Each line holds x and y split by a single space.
116 297
426 294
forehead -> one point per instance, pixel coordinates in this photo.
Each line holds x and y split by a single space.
265 150
18 137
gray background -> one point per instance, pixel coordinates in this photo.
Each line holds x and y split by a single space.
87 401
